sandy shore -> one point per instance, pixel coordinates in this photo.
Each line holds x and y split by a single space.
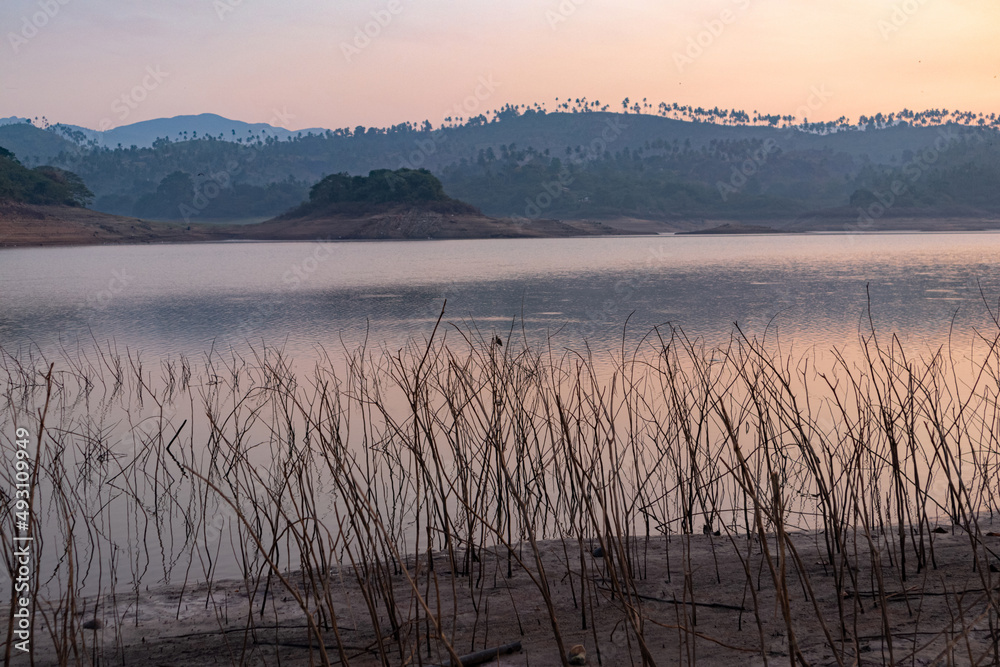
23 225
697 599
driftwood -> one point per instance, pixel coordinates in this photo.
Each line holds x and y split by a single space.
651 598
479 657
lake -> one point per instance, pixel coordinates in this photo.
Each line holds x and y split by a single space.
206 405
184 299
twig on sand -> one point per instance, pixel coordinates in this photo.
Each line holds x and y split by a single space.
710 605
480 657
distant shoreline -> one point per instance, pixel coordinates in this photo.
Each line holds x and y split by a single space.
729 228
25 225
189 621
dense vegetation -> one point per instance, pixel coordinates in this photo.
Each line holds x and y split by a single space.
179 196
965 174
380 189
41 185
454 494
747 178
381 186
583 161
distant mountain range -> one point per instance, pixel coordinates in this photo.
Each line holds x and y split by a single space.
592 165
178 128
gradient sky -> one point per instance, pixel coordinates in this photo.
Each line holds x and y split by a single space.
285 62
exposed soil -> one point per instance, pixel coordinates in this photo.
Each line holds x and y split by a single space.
29 225
843 221
419 223
695 596
736 228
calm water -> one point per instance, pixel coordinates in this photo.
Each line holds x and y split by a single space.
167 300
173 300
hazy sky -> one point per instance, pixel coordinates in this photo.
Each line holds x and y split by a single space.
304 63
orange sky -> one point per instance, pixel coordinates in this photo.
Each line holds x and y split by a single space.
306 63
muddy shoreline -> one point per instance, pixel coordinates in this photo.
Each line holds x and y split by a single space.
711 599
23 225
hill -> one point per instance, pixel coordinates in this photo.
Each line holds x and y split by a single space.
530 164
181 128
35 146
39 225
402 204
31 225
416 222
41 185
399 204
342 193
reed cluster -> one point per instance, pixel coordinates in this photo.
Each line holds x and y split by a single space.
667 502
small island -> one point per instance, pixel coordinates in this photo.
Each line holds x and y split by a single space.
735 228
46 206
401 204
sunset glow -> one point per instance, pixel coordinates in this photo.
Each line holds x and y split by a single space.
316 63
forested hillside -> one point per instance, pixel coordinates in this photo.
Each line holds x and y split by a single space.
581 162
44 185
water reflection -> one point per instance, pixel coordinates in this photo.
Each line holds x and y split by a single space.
185 299
810 293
